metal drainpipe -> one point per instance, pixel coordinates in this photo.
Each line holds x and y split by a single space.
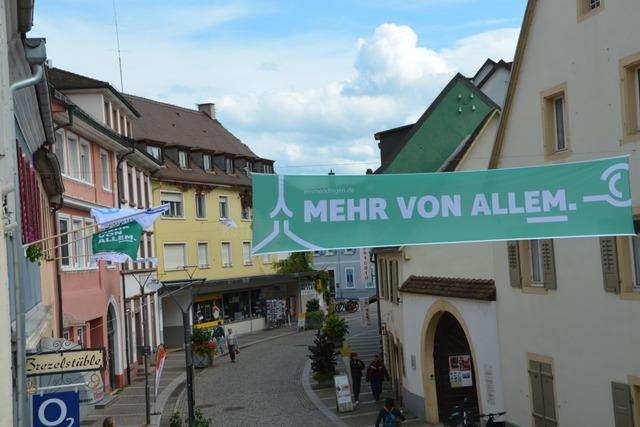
122 284
21 338
374 260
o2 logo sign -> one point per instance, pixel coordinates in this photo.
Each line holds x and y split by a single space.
56 409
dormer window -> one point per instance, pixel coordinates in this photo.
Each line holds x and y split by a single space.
229 166
249 167
184 159
206 162
155 152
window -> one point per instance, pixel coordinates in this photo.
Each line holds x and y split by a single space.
123 125
105 169
114 119
588 8
88 241
266 259
85 162
175 256
107 116
630 90
201 205
229 168
203 255
72 145
329 252
174 200
155 152
65 334
245 213
65 248
226 254
206 162
555 121
535 257
348 251
349 278
558 108
543 406
532 265
80 336
79 247
184 159
593 4
625 403
249 167
317 253
223 202
246 253
620 258
59 150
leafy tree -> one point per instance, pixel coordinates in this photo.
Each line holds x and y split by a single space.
323 356
313 305
336 328
297 262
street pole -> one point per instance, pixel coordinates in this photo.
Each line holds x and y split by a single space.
147 400
186 325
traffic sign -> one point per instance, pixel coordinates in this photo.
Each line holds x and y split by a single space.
56 409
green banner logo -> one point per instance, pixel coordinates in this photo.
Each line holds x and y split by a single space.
114 243
301 213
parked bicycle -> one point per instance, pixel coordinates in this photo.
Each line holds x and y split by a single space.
464 416
348 306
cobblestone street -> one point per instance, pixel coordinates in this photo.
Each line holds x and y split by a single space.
262 388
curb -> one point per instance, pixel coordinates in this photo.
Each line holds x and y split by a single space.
306 373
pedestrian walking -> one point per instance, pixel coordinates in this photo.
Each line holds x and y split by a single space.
376 373
357 366
288 316
109 422
389 415
232 345
218 334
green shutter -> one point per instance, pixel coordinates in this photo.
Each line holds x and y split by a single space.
622 405
536 393
548 264
513 254
548 395
609 258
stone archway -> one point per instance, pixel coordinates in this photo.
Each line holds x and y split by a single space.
113 350
439 311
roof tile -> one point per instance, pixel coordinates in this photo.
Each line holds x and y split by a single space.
480 289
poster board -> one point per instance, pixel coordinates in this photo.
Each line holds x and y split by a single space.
460 374
343 393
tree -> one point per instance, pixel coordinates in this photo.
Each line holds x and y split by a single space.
323 357
297 262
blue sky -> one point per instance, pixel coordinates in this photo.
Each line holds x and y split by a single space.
305 83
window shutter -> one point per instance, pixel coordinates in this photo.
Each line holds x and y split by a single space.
536 393
622 405
609 254
515 278
548 395
548 264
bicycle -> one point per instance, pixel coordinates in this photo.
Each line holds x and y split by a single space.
464 417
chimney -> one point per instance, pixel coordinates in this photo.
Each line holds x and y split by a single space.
209 109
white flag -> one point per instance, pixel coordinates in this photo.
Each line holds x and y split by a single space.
228 222
107 218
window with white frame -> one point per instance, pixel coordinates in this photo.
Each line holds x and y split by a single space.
85 162
535 260
156 152
206 162
201 205
72 145
223 202
348 251
558 111
229 167
203 255
107 116
80 336
348 272
226 254
60 152
635 250
88 232
105 170
184 159
174 200
266 259
246 253
175 256
79 247
594 4
330 252
65 248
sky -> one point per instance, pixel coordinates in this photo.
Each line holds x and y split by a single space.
305 83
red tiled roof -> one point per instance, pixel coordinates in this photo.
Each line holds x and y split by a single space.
480 289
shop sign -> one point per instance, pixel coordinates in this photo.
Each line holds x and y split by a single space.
460 371
302 213
308 289
365 265
65 361
343 393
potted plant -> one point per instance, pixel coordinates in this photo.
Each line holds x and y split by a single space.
202 348
336 328
323 359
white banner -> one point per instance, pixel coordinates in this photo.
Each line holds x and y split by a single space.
107 218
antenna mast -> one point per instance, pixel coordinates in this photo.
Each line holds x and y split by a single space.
115 18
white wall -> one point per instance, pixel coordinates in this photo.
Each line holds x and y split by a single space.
592 336
496 87
480 319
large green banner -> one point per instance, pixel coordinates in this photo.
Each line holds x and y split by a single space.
301 213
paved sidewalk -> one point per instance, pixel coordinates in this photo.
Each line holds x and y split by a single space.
366 342
128 405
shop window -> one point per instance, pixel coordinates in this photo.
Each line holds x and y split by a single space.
236 306
201 205
174 200
555 121
630 91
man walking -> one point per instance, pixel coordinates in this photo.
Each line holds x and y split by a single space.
356 375
375 375
389 415
232 345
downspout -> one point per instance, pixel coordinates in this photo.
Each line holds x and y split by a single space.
374 260
122 284
21 338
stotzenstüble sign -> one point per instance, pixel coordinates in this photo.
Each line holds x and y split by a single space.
65 361
300 213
